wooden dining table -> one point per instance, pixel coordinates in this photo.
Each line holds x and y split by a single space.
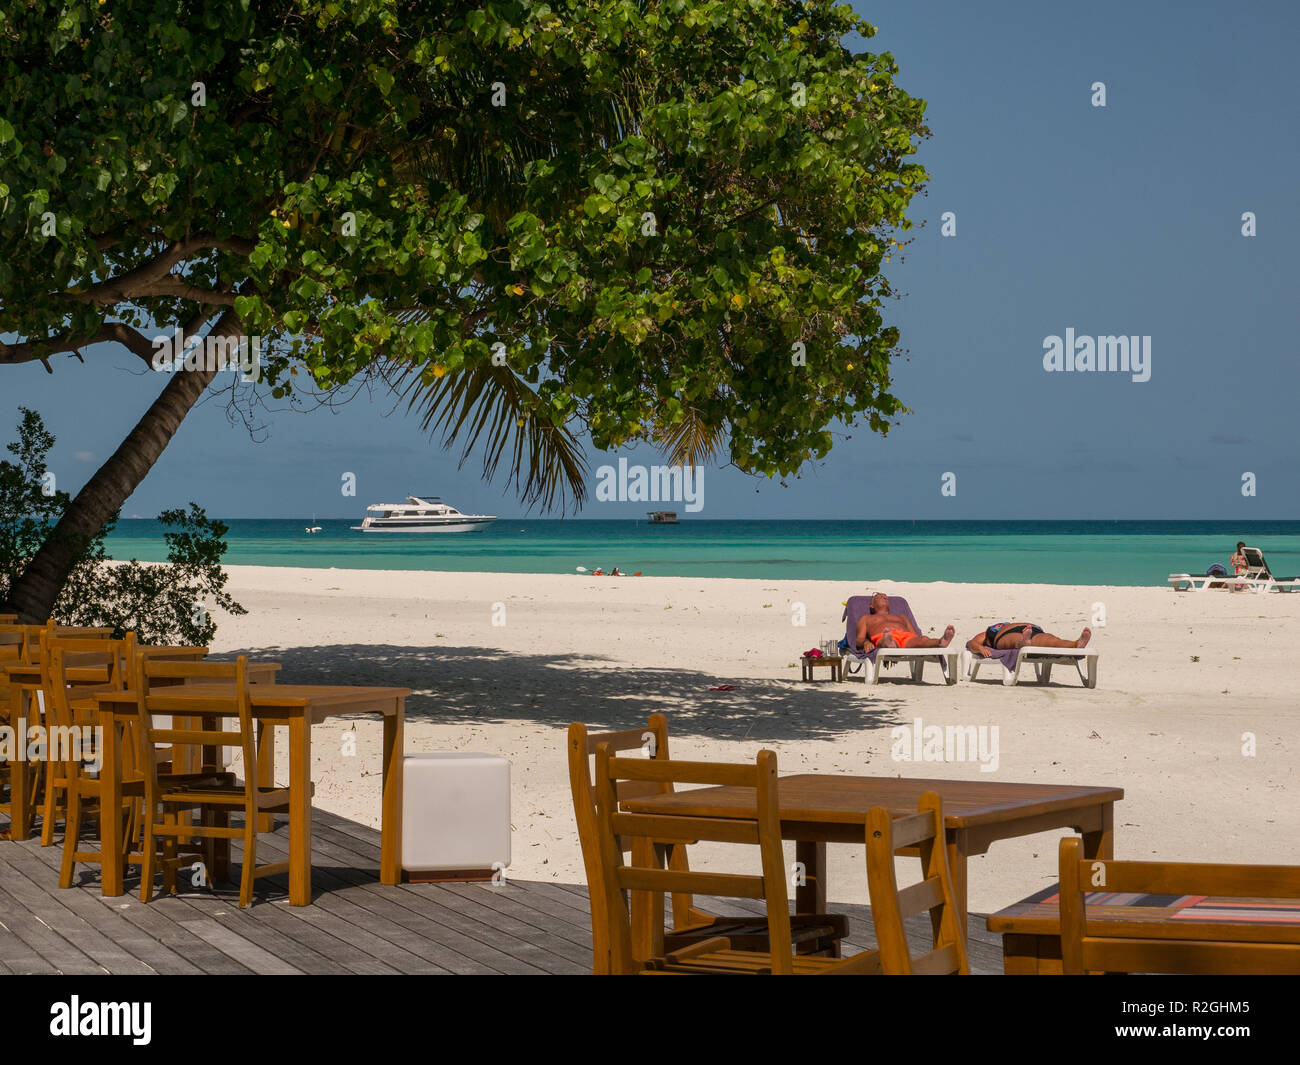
1031 928
297 707
817 809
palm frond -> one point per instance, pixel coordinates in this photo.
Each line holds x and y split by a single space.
494 406
689 442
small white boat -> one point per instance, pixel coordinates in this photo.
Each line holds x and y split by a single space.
421 514
312 529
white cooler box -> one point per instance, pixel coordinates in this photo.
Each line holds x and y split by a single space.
455 816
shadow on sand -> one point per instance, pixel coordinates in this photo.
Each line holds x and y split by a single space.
485 685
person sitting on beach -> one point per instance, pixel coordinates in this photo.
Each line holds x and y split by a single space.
1008 635
1238 559
883 629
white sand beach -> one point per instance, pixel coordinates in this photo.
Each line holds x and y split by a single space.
1183 679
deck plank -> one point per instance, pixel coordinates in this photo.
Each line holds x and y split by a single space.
354 925
422 907
193 955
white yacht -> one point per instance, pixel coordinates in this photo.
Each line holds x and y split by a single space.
421 514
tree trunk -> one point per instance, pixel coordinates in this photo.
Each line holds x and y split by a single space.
34 594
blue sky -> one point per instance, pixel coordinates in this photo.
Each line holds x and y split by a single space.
1123 219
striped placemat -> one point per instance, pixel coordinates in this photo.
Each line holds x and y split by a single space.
1188 907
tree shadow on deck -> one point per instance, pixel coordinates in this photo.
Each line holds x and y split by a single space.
485 685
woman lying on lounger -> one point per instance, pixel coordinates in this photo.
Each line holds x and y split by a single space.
1008 635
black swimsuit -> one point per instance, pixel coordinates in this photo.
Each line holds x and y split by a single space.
992 633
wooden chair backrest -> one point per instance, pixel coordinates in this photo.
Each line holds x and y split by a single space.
1165 946
8 619
25 643
214 712
582 749
59 655
645 834
15 641
87 650
892 906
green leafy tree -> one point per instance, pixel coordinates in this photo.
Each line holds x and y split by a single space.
163 603
657 220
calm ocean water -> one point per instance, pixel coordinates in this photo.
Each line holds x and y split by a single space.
1000 552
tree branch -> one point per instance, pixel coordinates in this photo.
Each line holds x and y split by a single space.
109 332
41 350
154 277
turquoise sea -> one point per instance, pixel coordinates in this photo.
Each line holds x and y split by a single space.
1001 552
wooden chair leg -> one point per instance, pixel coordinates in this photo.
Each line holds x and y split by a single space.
221 857
131 832
169 856
71 836
47 813
209 849
147 853
250 858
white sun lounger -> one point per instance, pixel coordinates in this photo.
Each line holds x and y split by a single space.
868 664
1042 658
915 657
1257 569
1193 582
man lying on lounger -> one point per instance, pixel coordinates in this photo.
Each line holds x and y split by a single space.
883 629
1007 635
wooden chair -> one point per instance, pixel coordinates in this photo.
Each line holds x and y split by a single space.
19 644
891 907
812 933
649 836
22 644
13 642
216 801
1174 945
67 777
66 774
68 711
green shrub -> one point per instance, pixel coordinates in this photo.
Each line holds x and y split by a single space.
165 602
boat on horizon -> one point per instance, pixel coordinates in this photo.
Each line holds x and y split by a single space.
421 514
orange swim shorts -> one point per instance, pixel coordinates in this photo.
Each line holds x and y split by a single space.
901 638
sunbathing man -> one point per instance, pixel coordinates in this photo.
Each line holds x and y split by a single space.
1007 635
884 629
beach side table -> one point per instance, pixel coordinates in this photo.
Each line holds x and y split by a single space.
835 662
456 807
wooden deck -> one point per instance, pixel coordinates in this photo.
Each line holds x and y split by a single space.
354 925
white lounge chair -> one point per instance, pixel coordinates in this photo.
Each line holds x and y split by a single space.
1196 582
868 663
1257 570
1042 659
1256 578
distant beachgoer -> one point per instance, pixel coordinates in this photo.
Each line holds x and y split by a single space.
882 629
1008 635
1238 560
